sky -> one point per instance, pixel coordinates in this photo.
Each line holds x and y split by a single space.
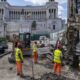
62 7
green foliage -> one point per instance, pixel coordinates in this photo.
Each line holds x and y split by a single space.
3 40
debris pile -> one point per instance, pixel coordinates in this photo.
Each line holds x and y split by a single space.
49 76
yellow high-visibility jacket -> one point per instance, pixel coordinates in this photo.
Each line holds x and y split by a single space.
34 47
57 56
17 52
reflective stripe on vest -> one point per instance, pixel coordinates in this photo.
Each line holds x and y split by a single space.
18 51
57 56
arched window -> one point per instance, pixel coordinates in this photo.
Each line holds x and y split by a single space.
53 27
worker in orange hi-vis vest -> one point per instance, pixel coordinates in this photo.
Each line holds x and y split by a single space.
35 54
19 59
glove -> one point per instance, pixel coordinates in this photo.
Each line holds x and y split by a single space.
21 61
52 61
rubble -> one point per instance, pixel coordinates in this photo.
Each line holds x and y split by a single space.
49 76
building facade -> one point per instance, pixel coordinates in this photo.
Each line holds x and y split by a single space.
74 10
19 17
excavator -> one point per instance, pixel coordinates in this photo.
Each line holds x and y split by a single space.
25 40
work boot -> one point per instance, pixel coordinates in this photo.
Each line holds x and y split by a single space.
18 74
35 62
58 77
22 76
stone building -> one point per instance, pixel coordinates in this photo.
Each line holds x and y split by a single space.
15 18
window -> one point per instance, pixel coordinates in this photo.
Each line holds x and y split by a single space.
54 13
52 10
3 0
49 10
2 11
53 27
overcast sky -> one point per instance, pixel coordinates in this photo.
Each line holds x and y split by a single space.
62 7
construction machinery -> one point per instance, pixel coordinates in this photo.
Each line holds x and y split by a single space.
25 40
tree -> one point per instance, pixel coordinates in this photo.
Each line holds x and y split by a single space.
33 26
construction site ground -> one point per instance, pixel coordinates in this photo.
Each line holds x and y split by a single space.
8 71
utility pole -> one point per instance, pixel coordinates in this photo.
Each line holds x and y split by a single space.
73 59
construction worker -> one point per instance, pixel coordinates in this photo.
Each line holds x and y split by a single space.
57 61
19 59
58 43
35 55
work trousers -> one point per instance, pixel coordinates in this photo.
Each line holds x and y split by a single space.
57 68
35 57
19 67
